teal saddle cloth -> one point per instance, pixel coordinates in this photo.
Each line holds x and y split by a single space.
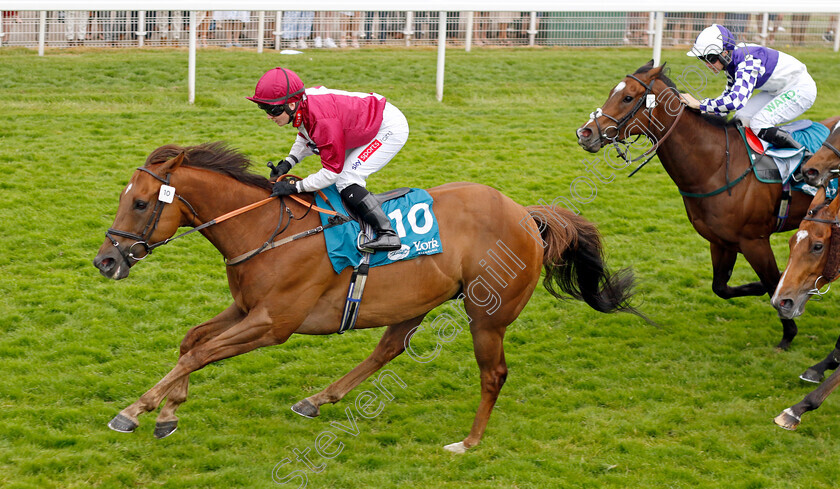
786 161
412 217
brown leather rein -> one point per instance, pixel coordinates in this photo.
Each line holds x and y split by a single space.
142 240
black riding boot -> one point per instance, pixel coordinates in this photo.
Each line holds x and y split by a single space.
782 139
371 212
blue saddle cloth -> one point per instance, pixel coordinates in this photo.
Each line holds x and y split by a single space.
411 216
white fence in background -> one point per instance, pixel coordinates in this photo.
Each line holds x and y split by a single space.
333 29
337 30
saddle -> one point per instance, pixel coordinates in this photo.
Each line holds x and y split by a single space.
764 166
768 161
381 197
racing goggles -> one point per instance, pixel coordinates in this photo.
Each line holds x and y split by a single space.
272 110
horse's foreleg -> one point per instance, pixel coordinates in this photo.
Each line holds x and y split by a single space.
723 262
789 418
254 331
816 373
760 256
490 355
389 347
167 422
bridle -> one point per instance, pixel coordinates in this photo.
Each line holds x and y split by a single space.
142 239
621 123
832 148
832 265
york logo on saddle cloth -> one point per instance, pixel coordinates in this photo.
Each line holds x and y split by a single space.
412 217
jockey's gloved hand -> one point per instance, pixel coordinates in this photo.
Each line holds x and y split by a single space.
281 169
284 187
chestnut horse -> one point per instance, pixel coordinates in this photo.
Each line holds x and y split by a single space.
813 264
707 159
825 163
294 289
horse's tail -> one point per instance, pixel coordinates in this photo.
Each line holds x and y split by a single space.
574 262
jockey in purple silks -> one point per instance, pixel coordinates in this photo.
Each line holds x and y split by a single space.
764 87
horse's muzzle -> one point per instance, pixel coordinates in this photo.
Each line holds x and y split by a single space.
588 139
111 264
812 176
787 307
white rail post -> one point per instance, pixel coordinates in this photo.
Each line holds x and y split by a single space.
408 32
532 30
42 32
441 57
837 35
191 68
657 38
278 30
260 30
650 29
2 34
765 21
141 28
468 35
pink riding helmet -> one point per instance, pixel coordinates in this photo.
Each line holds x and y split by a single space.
278 86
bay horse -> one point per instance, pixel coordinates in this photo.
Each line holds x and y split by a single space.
825 163
708 161
813 264
293 288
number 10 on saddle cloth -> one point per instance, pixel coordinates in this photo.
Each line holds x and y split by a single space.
412 217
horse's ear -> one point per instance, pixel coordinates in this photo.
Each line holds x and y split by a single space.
170 166
655 72
649 64
834 205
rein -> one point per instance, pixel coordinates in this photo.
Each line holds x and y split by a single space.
143 238
656 146
620 123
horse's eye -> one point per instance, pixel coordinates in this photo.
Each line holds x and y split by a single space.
628 99
817 247
140 204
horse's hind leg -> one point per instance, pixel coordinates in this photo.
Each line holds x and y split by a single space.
816 373
723 262
167 422
389 347
490 355
789 418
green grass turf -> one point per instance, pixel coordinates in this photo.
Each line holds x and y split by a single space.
592 400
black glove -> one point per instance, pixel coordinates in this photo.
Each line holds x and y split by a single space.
281 169
284 187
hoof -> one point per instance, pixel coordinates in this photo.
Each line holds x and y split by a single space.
783 345
165 428
813 376
787 420
122 424
306 409
456 447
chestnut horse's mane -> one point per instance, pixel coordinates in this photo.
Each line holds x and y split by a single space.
216 156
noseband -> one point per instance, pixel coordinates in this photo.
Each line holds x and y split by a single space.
142 239
620 123
832 148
